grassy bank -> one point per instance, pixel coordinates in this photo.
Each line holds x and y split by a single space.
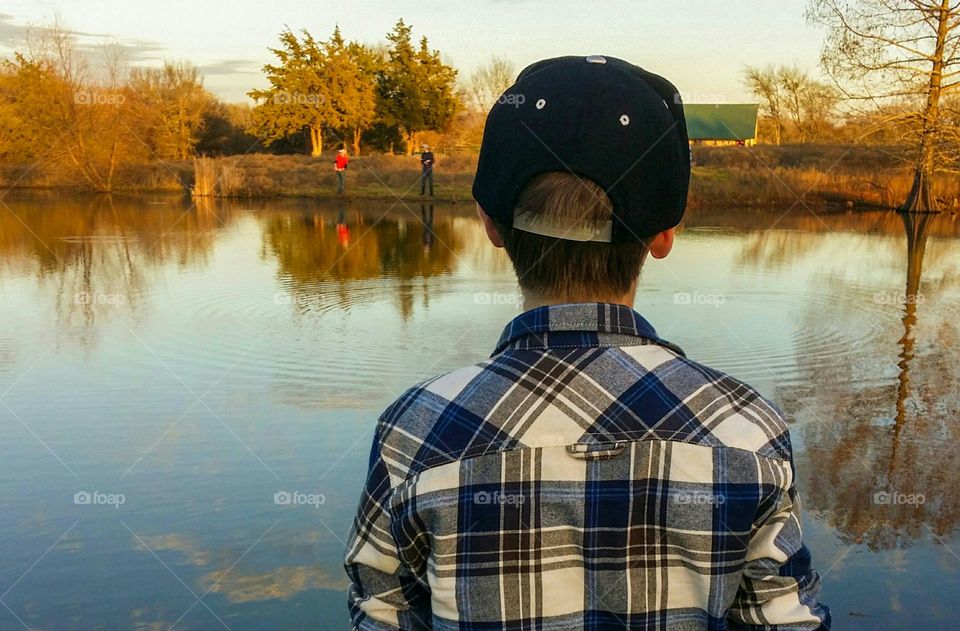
812 175
377 175
265 175
809 175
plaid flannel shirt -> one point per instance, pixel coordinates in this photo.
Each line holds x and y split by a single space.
587 476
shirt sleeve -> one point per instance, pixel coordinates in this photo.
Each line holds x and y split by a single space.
386 592
779 588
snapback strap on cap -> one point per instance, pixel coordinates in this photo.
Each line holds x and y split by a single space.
528 222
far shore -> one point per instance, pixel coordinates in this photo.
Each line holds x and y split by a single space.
457 195
813 176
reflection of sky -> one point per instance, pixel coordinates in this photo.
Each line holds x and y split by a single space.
209 392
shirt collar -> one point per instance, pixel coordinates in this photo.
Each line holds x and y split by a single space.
579 324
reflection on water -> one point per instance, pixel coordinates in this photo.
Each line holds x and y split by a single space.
241 583
280 582
317 262
201 360
98 255
896 444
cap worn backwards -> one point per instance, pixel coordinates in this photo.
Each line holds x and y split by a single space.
597 117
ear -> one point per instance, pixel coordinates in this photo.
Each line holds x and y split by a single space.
491 229
661 244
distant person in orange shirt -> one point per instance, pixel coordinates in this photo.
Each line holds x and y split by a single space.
340 166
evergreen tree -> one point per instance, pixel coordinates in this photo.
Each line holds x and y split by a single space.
297 96
415 89
317 86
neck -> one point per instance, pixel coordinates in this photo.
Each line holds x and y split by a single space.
532 301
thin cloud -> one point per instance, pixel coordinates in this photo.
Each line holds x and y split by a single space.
227 67
15 36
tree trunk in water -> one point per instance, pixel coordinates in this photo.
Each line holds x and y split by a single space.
920 198
316 141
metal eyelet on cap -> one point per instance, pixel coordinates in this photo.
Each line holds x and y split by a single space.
624 120
541 103
596 59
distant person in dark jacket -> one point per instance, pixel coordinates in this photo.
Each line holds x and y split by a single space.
426 169
340 166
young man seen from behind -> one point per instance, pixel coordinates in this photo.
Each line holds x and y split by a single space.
588 475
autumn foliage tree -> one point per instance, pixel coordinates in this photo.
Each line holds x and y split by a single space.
27 88
63 110
172 106
82 113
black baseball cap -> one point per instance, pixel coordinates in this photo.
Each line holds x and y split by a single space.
600 118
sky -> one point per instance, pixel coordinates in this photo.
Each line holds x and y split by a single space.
701 46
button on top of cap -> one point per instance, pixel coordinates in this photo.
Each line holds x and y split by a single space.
596 59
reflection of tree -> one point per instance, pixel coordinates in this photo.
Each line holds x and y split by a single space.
797 234
94 252
761 221
916 227
872 437
320 264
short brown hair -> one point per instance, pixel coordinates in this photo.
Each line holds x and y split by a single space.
564 269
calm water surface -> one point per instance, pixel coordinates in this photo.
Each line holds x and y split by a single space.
193 363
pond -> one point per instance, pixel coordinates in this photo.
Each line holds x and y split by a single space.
188 393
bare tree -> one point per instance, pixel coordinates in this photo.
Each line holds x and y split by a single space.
488 82
791 98
892 52
794 83
819 103
763 82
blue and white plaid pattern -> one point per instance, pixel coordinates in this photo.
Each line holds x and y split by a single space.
587 476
